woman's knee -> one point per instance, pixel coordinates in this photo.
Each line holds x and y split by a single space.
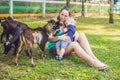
74 44
71 47
82 34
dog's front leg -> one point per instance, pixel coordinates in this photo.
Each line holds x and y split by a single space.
32 62
42 47
43 55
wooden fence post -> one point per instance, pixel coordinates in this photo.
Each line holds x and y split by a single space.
11 8
100 8
44 8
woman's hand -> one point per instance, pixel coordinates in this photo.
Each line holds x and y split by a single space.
56 38
64 37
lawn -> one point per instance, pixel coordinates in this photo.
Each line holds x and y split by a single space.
104 40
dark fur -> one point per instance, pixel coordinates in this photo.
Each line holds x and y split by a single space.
56 28
14 28
38 36
22 34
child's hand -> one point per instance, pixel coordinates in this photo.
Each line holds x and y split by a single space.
64 37
76 36
65 30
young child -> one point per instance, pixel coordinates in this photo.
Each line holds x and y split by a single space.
69 30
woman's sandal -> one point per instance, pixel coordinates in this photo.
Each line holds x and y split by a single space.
102 68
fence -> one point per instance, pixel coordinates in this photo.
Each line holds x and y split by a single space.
43 8
117 7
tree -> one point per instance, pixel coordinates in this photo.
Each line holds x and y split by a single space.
111 11
83 11
68 3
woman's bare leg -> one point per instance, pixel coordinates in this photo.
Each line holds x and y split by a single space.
85 45
82 54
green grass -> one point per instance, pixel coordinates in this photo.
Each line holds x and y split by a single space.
104 40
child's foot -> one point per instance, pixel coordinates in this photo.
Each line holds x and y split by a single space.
59 58
56 57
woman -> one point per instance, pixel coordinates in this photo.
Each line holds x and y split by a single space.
84 51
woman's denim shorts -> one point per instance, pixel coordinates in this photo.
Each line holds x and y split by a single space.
53 51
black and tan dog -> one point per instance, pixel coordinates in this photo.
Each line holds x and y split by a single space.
38 36
14 28
22 34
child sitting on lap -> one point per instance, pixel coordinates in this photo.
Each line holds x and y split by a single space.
69 30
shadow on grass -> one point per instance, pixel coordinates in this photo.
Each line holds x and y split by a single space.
112 26
23 59
100 46
99 21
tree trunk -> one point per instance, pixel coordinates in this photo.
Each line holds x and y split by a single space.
68 3
83 9
111 11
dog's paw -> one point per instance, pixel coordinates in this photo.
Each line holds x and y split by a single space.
43 56
16 64
33 65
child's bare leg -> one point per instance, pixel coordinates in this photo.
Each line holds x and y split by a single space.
58 51
62 51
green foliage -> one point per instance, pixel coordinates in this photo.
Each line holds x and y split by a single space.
104 40
35 7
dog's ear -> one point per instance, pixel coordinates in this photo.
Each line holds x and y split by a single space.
51 21
4 18
10 18
56 26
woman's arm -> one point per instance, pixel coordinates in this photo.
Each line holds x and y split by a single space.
55 38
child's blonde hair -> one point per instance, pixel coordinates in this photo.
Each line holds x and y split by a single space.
71 21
